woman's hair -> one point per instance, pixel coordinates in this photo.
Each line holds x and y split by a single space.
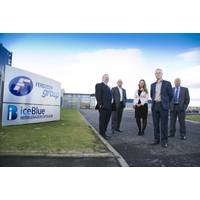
144 87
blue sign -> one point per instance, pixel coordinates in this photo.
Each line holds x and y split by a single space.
20 86
12 112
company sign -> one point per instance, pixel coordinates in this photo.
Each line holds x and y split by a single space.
29 98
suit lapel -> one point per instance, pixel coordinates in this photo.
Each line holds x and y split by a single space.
162 86
173 92
118 93
154 90
180 94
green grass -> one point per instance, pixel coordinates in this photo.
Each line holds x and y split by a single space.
69 135
193 117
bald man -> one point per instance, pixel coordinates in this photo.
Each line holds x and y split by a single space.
103 96
119 99
178 106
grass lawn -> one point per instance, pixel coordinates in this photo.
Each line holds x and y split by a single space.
193 117
69 135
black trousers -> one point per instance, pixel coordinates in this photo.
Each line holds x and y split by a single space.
141 126
117 117
104 117
160 122
177 112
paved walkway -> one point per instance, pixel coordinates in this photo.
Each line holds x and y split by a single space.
137 150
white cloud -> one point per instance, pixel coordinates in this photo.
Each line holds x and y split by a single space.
192 55
189 78
79 72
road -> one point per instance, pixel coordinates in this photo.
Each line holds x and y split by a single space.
137 150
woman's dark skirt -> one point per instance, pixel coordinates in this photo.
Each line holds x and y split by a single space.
142 111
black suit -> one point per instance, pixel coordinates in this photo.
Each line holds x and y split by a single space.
104 105
177 109
119 105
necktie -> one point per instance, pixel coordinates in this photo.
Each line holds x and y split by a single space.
176 96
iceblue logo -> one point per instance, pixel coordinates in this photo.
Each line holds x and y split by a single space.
20 86
12 112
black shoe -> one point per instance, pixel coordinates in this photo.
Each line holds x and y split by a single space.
171 136
139 133
155 142
183 137
118 130
165 145
142 133
113 131
106 137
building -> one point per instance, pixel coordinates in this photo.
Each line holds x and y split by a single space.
78 100
5 56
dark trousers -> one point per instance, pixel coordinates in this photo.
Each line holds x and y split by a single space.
141 126
104 117
177 112
160 122
117 117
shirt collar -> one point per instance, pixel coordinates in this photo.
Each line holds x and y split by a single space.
119 88
160 81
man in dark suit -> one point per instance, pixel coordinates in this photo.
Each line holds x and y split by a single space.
178 106
161 95
104 104
119 99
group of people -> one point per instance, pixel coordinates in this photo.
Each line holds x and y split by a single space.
165 100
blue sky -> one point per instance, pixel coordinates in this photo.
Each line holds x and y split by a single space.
75 59
96 41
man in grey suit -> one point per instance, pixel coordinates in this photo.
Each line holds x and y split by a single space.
119 100
179 104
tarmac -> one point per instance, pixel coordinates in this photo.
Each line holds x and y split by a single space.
138 151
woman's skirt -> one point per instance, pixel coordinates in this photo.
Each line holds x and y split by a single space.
142 111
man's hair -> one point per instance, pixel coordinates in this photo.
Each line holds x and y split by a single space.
104 75
177 79
159 69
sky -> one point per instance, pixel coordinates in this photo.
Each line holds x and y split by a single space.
78 61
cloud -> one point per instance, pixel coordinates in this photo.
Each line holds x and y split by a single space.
194 85
79 72
192 55
88 68
189 78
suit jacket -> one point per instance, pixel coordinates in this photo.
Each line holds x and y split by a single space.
143 97
166 94
184 99
103 96
116 97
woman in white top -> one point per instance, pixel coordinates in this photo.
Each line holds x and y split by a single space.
141 106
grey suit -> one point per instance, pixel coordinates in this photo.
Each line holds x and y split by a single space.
120 105
178 110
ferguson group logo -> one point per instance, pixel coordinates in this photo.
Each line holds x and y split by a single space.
20 86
